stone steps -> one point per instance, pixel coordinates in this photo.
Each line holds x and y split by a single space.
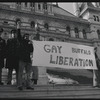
50 91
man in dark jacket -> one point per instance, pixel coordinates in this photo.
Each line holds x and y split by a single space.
12 60
25 49
2 55
97 72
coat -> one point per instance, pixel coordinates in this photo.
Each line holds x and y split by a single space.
24 50
2 52
12 53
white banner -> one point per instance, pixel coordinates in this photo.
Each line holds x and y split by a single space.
63 55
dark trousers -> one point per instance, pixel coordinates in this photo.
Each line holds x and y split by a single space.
27 67
0 75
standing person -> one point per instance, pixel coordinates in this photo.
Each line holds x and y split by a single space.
25 49
2 55
35 68
12 60
97 72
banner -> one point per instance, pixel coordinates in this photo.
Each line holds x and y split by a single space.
63 55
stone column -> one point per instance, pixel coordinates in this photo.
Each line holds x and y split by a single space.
72 33
94 34
36 6
28 5
42 76
41 7
80 34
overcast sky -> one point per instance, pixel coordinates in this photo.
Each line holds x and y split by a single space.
67 6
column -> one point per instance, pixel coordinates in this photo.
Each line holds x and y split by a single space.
94 34
72 33
28 5
36 6
80 34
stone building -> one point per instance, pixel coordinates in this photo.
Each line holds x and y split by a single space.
53 23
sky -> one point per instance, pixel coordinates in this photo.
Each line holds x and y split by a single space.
67 6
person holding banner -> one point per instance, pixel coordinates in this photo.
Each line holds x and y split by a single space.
26 47
34 72
97 72
2 55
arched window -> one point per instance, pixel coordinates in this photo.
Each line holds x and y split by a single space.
39 6
19 3
98 32
76 32
46 26
32 4
51 39
32 24
97 18
18 23
68 30
94 17
45 5
84 34
25 4
13 31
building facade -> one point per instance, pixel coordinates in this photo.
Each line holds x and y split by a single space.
53 23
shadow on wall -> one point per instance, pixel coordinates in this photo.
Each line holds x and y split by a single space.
81 76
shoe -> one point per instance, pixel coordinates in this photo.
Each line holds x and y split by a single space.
9 83
32 88
97 86
20 88
1 83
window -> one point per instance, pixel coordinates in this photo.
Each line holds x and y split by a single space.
97 18
45 6
76 33
94 17
98 32
18 23
68 30
46 26
1 29
19 3
32 4
84 34
25 4
39 6
32 24
13 31
51 39
5 22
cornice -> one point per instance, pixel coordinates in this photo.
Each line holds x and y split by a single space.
59 17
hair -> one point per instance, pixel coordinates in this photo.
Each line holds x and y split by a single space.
95 48
25 35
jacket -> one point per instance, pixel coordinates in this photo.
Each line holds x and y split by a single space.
12 53
2 51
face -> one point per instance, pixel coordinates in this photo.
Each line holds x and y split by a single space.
26 37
